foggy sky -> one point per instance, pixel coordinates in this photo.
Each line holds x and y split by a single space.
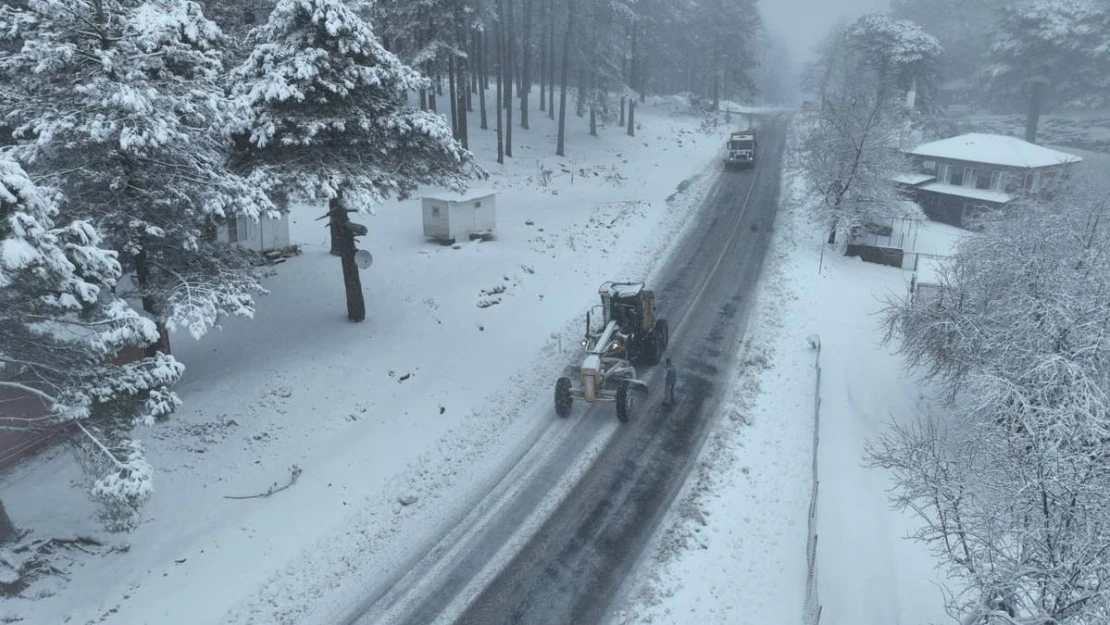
805 22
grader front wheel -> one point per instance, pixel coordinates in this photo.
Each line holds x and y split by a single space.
624 401
563 401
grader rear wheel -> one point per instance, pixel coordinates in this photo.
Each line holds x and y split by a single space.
563 401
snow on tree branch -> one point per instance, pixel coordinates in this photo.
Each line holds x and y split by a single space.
59 330
1014 484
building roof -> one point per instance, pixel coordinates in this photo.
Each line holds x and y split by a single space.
913 179
971 193
994 150
465 196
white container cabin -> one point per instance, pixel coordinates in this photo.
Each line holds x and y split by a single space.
262 235
449 216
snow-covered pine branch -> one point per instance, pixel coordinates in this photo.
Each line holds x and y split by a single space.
119 104
327 109
60 328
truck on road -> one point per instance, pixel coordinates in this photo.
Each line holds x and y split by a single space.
741 149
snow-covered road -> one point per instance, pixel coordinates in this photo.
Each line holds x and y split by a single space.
552 542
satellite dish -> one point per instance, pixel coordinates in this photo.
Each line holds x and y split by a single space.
364 259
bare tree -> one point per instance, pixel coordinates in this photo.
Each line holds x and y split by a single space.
850 153
1014 485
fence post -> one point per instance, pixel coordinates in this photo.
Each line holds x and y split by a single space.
811 612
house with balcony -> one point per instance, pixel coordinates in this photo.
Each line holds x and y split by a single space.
956 178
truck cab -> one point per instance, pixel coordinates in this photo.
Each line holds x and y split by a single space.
741 149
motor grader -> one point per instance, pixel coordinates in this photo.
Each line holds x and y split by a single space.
629 334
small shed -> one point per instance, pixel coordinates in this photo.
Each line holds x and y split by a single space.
451 215
264 234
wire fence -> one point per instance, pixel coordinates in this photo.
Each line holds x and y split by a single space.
811 613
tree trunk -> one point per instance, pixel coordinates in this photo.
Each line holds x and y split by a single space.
716 74
551 60
352 282
423 99
8 531
506 16
1033 116
510 63
432 96
580 101
464 103
462 66
525 62
543 55
622 110
484 80
560 144
593 120
454 98
500 76
150 306
634 63
632 118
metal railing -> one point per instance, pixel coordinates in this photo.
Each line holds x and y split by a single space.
811 613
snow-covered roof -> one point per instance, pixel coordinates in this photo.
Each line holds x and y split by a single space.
913 179
971 193
466 196
994 150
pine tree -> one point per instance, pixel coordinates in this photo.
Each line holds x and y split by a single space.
900 53
328 114
118 104
1048 52
59 330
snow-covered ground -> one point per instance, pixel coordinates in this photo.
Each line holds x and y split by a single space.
734 548
395 423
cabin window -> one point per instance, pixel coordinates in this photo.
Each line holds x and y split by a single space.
996 181
930 165
945 173
969 177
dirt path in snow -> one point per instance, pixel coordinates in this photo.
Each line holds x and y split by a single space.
552 542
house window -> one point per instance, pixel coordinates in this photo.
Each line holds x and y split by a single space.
996 181
945 173
1031 181
930 165
956 177
969 177
983 181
